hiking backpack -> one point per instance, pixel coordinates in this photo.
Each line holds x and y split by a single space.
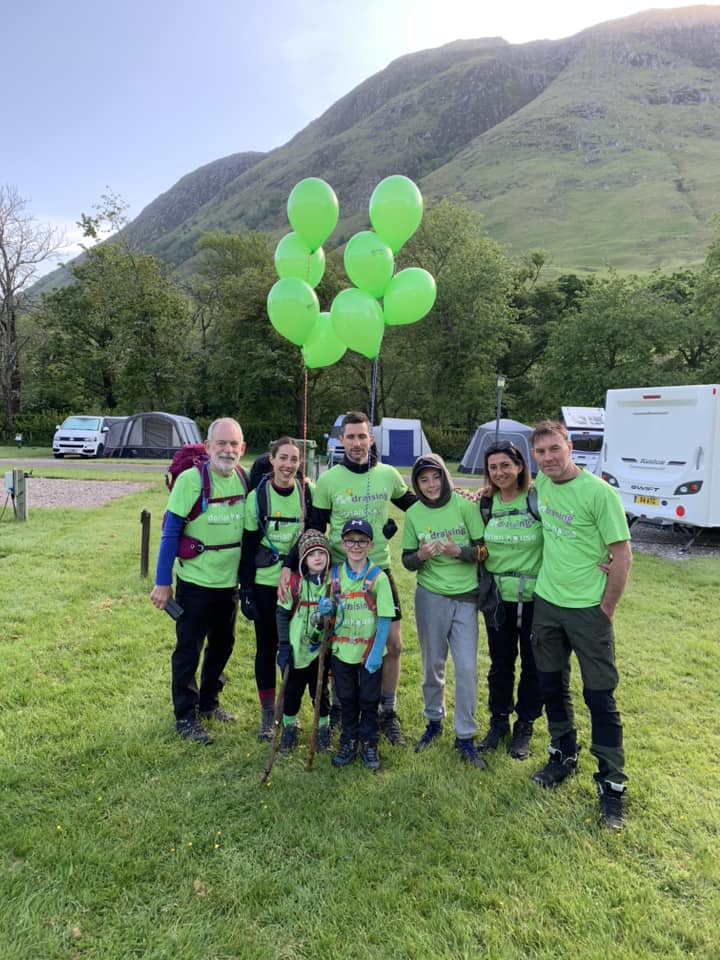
195 455
531 503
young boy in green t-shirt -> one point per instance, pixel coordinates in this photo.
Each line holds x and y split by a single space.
364 611
300 626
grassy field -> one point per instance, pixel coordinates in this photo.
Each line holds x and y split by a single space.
119 841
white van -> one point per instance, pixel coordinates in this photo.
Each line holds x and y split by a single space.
82 436
585 427
662 452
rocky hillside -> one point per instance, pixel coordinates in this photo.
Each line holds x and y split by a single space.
602 148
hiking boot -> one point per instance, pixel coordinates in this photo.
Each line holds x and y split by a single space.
391 729
289 738
346 754
433 729
267 724
612 804
217 713
519 748
469 753
323 739
559 767
335 717
369 754
190 728
499 729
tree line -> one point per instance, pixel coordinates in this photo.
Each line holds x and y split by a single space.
126 334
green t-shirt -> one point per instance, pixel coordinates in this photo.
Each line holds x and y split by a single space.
458 520
284 526
350 495
580 518
220 523
304 638
514 539
355 622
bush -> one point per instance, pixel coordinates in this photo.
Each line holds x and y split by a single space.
448 442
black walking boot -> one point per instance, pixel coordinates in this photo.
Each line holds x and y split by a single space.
267 723
519 748
499 729
612 804
559 767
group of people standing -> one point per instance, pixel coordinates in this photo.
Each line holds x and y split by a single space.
546 565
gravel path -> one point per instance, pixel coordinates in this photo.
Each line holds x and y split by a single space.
42 492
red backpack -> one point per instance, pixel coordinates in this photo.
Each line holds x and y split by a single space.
195 455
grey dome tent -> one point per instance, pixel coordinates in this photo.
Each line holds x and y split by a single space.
473 460
154 435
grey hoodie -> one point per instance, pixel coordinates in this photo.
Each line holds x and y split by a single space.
434 462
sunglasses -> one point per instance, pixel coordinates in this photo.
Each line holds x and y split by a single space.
503 446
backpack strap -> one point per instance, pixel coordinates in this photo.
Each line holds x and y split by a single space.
532 503
486 509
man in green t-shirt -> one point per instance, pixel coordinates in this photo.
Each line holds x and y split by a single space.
585 566
206 584
361 486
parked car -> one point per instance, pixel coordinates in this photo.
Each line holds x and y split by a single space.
82 436
334 450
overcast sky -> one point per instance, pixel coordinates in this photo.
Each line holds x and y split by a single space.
133 95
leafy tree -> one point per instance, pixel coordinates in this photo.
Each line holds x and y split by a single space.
24 246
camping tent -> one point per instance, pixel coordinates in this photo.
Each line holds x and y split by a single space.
153 435
401 442
473 460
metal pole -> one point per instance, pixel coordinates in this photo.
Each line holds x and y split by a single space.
144 542
19 496
500 386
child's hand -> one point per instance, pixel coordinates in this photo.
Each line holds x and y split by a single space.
374 661
326 606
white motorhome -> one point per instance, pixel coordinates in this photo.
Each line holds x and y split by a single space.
585 427
662 452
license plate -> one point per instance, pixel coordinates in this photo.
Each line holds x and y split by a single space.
648 501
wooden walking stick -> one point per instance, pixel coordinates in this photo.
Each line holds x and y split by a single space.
279 704
327 633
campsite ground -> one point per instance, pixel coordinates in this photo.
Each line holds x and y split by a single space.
117 840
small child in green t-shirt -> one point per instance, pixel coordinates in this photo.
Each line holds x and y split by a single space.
365 608
300 626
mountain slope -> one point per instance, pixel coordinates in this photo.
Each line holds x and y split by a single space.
602 148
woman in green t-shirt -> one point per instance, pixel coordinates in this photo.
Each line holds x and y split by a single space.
513 536
274 519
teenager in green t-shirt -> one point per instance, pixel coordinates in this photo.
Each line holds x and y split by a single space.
586 562
441 536
276 515
513 537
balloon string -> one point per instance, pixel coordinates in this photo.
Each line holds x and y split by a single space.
373 390
305 420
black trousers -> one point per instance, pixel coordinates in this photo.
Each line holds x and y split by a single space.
302 679
503 645
359 694
207 614
266 638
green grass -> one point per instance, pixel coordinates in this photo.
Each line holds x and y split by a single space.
119 841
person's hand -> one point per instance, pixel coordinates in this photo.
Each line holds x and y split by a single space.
284 656
427 550
449 548
160 595
284 585
326 606
374 661
247 603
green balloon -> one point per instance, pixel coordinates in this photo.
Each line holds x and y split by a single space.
357 319
396 209
409 296
369 262
313 211
293 309
322 348
294 258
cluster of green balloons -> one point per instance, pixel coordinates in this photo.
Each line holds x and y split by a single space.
356 319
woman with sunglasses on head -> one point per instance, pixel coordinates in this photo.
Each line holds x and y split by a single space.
513 536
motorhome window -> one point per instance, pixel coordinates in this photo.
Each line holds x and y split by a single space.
82 423
587 444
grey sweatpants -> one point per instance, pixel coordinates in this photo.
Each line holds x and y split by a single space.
443 624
